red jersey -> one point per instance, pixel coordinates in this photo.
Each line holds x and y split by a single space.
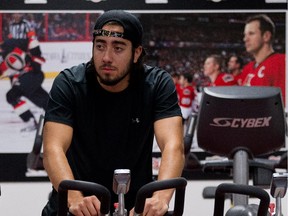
238 78
224 79
270 72
186 96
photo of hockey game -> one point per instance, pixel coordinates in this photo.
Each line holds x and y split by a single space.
62 47
200 50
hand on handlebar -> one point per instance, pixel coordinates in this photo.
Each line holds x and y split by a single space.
82 206
153 207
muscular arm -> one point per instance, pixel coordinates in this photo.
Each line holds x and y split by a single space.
169 136
56 140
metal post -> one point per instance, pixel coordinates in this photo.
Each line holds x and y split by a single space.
240 175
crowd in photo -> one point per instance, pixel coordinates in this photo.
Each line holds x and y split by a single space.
179 43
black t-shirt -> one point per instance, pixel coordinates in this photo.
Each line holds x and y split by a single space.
111 130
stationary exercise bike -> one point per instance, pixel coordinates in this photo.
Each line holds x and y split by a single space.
241 123
121 183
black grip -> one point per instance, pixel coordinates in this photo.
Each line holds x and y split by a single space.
250 190
188 138
101 192
147 191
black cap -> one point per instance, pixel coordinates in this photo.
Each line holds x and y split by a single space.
133 29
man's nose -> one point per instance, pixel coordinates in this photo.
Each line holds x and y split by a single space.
244 38
108 55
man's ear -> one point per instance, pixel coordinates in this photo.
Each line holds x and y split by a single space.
137 53
267 36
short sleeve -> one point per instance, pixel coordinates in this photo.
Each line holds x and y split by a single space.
166 100
60 103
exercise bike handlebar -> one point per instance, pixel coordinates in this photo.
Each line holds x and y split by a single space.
147 191
101 192
240 189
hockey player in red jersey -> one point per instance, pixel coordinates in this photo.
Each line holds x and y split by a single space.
186 94
22 65
212 69
268 67
235 66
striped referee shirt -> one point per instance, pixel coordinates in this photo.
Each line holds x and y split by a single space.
20 30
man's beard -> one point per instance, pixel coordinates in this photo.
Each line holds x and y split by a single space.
106 80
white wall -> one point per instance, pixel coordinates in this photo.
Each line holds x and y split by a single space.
28 199
25 199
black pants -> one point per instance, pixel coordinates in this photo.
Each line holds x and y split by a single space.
29 86
51 207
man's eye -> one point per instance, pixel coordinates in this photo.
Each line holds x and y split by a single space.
99 46
118 49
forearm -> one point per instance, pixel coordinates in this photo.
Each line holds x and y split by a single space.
56 166
172 163
56 141
169 136
58 169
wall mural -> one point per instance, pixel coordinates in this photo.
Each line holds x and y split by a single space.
178 42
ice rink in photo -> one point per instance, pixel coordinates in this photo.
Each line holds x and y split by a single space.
12 139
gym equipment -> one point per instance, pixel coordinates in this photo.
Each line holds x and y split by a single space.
191 160
234 117
101 192
241 210
121 182
240 123
189 134
278 190
147 190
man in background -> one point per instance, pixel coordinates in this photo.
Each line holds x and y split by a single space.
186 95
20 28
268 67
235 66
213 70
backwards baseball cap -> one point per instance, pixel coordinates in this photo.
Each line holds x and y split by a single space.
133 29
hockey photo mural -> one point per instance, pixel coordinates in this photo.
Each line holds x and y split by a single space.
45 43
